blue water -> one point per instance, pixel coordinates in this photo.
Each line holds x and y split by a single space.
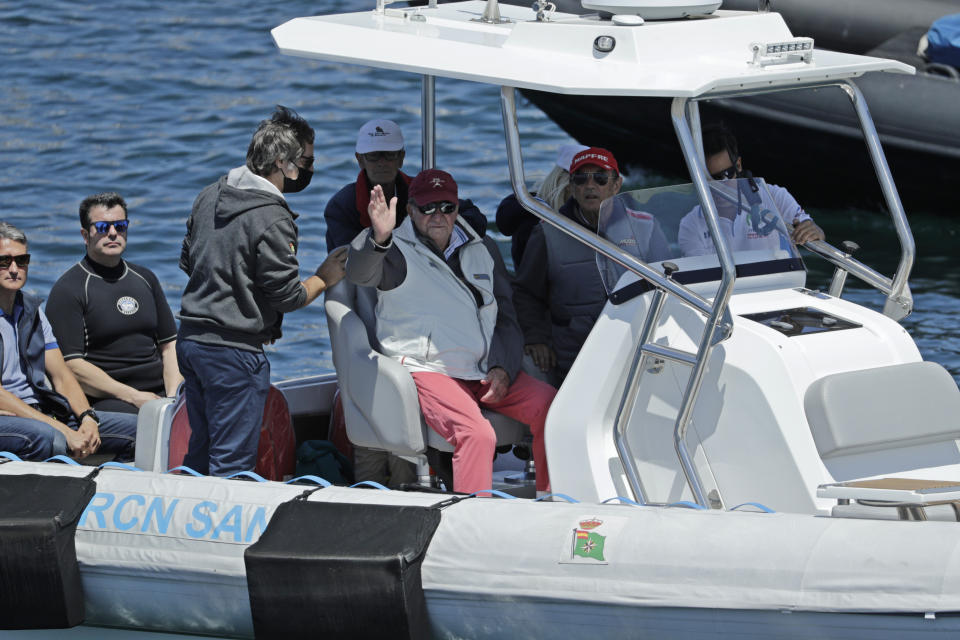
158 99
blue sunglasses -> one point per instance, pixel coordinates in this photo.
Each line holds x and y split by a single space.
119 225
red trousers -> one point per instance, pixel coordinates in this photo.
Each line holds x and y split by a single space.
451 407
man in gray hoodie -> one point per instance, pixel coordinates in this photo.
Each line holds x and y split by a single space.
240 255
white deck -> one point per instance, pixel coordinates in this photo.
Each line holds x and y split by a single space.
687 58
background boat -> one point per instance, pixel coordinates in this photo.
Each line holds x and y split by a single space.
809 138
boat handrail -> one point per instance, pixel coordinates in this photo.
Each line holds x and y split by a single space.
684 113
718 325
854 267
899 302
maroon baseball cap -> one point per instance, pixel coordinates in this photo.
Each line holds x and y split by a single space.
433 185
596 156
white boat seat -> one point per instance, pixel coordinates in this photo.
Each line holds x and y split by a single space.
153 434
379 396
882 408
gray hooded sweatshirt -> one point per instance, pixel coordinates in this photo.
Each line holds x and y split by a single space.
240 254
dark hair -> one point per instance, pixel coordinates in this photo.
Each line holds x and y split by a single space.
107 199
289 117
272 141
716 138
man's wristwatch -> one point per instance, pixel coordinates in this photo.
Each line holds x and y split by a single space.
91 413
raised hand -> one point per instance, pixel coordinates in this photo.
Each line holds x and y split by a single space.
383 216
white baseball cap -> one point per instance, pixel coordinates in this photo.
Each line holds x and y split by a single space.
565 154
379 135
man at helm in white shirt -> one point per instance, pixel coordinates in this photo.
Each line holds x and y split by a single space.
724 163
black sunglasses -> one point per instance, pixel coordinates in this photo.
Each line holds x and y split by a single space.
307 162
727 174
22 260
438 207
377 156
580 179
119 225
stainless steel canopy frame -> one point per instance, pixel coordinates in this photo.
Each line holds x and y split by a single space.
899 303
719 323
428 110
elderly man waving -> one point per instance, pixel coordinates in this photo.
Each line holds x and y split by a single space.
444 311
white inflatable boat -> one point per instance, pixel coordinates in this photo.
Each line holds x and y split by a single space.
733 453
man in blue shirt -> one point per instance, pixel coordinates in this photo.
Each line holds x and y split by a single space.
35 420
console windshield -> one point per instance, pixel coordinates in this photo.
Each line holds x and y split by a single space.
666 224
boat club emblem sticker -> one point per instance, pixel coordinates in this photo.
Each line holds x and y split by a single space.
127 305
589 541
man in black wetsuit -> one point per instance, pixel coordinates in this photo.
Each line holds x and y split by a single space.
111 318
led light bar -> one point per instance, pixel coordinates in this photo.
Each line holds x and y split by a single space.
786 52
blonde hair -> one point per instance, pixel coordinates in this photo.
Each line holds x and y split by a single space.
553 188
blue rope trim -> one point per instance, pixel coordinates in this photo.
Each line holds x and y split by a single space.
62 458
195 474
688 505
762 507
315 479
247 474
10 456
369 483
493 492
624 501
558 495
119 465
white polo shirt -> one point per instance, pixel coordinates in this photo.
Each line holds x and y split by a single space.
694 238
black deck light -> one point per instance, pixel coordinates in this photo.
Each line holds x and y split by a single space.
604 44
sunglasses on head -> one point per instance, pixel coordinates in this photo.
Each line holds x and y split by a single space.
119 225
580 179
727 174
438 207
377 156
22 260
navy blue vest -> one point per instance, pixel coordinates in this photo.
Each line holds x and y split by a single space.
32 352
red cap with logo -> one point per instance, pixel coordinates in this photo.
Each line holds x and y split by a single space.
433 185
595 156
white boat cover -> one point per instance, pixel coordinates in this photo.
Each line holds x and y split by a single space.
678 557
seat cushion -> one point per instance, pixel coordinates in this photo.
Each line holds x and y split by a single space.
883 408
